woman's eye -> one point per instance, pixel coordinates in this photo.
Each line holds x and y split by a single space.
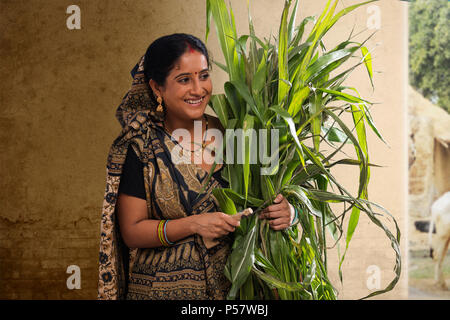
183 80
204 76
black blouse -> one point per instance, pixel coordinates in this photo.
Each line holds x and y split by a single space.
132 180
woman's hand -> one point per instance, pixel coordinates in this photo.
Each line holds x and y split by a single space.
211 225
280 214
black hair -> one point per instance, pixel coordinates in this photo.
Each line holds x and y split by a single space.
164 52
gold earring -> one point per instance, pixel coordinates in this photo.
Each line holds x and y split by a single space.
160 107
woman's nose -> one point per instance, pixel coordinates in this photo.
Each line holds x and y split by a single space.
196 88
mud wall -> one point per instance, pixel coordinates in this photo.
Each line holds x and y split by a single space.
59 90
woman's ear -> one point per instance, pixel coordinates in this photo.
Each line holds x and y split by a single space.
155 88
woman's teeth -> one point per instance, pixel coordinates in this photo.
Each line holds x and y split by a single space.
194 101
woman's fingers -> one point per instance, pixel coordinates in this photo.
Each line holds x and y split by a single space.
230 219
274 207
217 224
278 198
275 211
279 213
214 224
225 224
279 224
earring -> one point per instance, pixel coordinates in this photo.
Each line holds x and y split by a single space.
159 108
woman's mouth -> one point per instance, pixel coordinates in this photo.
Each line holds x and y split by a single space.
195 102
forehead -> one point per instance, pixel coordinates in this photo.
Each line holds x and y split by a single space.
190 61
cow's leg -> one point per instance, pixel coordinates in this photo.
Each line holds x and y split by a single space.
441 246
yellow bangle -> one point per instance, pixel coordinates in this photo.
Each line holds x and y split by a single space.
161 233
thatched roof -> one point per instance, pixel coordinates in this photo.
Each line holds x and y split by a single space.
419 106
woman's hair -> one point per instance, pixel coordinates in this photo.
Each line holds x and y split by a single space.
164 52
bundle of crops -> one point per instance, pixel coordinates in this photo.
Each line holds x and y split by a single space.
286 97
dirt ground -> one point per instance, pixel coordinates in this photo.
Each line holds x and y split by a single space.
421 269
421 277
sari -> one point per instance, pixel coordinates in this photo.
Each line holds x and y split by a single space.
185 270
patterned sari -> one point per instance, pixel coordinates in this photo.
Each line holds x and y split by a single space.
185 270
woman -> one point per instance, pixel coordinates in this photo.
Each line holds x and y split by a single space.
162 236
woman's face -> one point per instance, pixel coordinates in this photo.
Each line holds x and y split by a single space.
188 87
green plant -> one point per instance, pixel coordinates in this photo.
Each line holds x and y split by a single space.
288 85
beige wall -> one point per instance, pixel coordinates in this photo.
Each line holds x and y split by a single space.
421 177
59 90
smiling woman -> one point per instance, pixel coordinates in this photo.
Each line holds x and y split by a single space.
163 236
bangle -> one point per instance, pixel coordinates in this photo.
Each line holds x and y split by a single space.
296 215
295 220
292 214
162 233
165 235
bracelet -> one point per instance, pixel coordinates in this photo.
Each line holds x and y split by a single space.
296 215
165 235
292 214
295 220
162 233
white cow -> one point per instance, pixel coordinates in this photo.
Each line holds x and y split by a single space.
440 220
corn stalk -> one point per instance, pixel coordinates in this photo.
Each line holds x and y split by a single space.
288 85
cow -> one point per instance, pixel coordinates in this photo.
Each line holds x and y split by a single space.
440 219
438 235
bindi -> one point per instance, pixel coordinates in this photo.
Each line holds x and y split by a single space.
191 50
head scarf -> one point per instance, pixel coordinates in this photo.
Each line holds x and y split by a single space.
172 191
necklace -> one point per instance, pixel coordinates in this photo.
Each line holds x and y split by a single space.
203 146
